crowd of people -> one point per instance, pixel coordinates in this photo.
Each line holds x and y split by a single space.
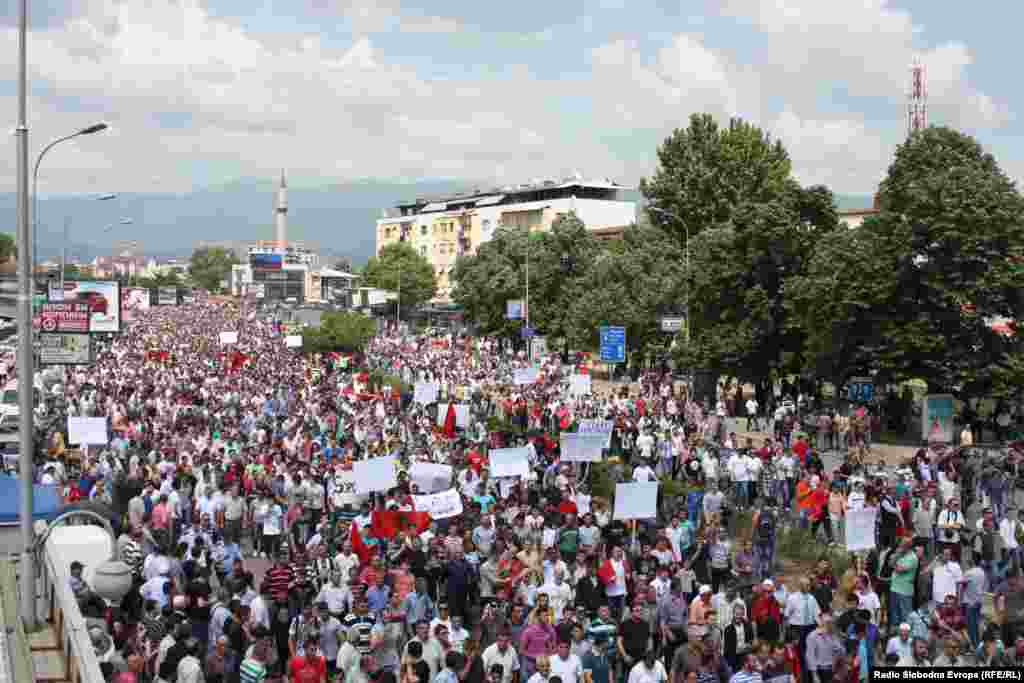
256 558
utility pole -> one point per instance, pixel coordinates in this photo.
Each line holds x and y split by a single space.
529 340
26 290
398 304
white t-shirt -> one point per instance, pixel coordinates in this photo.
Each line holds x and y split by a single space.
569 669
641 674
945 580
509 660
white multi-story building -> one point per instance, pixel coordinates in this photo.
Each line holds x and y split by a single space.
444 228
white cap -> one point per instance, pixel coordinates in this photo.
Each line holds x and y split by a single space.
705 589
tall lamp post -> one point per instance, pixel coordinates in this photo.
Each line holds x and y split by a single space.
686 227
26 289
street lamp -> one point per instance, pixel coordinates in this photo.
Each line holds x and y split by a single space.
95 128
686 227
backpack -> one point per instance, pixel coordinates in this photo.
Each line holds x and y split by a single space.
766 527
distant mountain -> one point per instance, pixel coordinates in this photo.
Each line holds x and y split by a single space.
339 219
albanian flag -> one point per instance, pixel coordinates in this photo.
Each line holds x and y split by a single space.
359 547
449 422
238 360
390 523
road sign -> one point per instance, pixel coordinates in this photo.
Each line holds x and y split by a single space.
613 344
528 332
671 323
860 390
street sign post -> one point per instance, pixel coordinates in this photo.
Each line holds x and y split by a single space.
860 390
613 344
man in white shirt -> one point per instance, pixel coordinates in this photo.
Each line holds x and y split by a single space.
946 576
501 652
566 665
751 413
1009 527
648 670
558 591
949 524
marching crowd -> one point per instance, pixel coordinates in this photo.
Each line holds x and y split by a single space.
258 558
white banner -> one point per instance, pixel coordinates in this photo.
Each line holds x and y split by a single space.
597 427
430 477
229 337
525 375
425 392
509 462
860 529
440 505
579 385
88 431
636 500
293 341
344 492
582 447
375 474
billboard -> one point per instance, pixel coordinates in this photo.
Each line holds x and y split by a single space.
167 296
188 297
63 312
266 261
65 349
135 299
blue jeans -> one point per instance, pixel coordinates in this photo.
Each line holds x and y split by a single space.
741 494
973 622
764 553
900 607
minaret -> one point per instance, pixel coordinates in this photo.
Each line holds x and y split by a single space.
281 214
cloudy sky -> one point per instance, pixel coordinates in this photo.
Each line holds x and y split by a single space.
200 92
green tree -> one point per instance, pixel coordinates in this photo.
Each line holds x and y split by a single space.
344 331
630 284
8 247
950 235
558 261
210 266
399 266
704 172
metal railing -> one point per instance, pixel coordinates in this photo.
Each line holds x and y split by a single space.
61 609
16 663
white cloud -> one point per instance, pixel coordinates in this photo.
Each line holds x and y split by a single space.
430 24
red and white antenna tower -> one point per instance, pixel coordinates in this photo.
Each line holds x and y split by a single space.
917 99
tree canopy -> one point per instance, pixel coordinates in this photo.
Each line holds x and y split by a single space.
210 266
8 246
399 266
344 331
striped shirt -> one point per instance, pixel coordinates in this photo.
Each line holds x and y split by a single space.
132 556
743 676
279 580
252 671
601 632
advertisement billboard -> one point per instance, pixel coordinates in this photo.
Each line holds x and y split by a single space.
167 296
135 299
65 349
102 301
266 261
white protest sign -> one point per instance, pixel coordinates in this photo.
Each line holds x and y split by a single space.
440 505
345 490
375 474
579 385
582 504
581 447
509 462
636 500
860 529
229 337
525 375
430 477
293 341
597 427
425 392
88 431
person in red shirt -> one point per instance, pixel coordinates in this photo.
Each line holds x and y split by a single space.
800 449
476 461
309 667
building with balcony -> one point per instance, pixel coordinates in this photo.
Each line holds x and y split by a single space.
444 228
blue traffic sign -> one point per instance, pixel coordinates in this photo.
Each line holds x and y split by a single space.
613 344
528 332
860 390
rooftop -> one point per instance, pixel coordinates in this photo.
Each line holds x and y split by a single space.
496 195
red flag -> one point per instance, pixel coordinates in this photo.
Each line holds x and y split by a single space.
449 422
360 548
389 523
238 360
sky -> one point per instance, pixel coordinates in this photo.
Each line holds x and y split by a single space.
203 92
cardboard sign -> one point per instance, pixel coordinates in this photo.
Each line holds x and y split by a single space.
636 500
522 376
440 505
293 341
582 447
229 337
426 392
860 529
375 474
579 385
88 431
430 477
509 462
598 427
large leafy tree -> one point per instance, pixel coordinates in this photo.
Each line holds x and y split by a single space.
558 261
8 247
339 331
400 267
210 266
739 278
704 172
630 284
951 231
